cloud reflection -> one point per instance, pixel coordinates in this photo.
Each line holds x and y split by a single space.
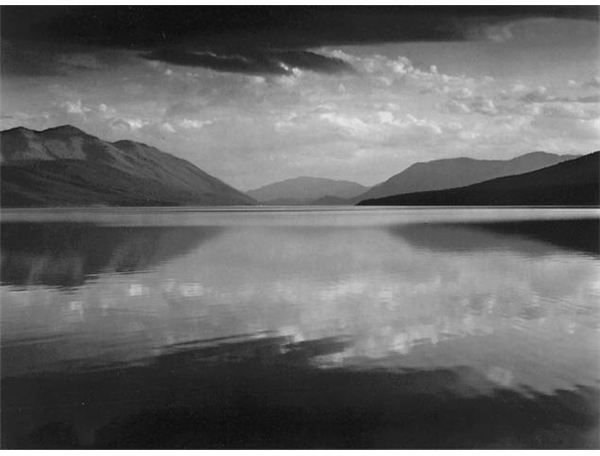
413 295
265 313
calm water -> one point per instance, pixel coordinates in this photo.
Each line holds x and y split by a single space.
353 328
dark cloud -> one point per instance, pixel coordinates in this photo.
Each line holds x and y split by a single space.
311 61
252 39
24 61
54 59
302 26
255 62
589 99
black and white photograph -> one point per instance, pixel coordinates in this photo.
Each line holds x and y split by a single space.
299 227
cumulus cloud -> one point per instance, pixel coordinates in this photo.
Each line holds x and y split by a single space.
522 100
457 107
571 109
352 125
484 106
400 71
75 107
194 123
424 123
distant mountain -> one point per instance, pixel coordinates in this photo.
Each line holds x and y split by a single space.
574 182
65 166
458 172
332 201
304 190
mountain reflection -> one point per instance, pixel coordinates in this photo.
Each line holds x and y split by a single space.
289 333
527 237
68 254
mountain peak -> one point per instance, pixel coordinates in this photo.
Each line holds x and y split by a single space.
66 129
536 153
63 130
23 130
64 165
305 189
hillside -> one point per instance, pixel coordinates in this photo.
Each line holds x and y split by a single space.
458 172
65 166
304 190
574 182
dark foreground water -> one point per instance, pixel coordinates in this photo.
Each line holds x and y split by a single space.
357 328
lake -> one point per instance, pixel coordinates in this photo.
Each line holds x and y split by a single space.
300 328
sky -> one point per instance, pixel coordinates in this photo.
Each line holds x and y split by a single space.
255 95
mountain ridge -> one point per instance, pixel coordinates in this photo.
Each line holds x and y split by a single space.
447 173
64 165
572 182
305 190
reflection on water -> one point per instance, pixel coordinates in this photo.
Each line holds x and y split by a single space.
530 237
358 328
67 254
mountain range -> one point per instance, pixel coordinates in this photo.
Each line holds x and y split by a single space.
422 176
65 166
306 190
458 172
573 182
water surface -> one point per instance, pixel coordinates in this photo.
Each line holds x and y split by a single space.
300 328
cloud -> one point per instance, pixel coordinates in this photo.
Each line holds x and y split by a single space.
75 107
498 33
571 128
542 101
521 100
352 125
532 29
383 127
571 110
20 60
397 71
250 126
219 37
48 59
166 126
426 124
305 26
253 62
466 102
457 107
85 61
196 124
588 99
120 124
538 95
483 105
594 82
